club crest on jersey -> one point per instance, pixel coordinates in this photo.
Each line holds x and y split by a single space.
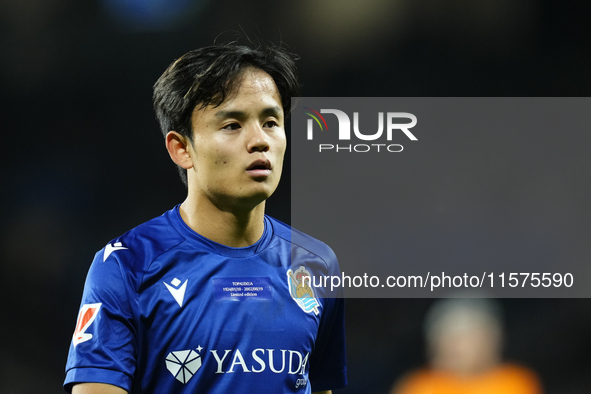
86 316
300 288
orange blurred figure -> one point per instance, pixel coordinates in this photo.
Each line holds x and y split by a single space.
464 342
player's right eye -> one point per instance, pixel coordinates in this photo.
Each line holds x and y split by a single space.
231 126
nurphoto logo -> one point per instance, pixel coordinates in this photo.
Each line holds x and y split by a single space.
392 121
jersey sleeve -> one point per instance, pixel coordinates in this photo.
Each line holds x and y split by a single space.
104 340
328 361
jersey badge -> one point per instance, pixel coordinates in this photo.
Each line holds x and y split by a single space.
300 288
86 316
112 248
183 364
177 292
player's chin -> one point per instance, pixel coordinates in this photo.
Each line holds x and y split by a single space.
260 193
263 185
245 192
263 194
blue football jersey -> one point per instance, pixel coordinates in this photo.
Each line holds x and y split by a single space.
166 310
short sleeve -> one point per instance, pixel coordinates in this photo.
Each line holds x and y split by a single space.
328 361
104 340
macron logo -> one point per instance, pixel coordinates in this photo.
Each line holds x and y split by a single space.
177 292
111 248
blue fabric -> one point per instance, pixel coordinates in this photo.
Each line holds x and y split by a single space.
179 313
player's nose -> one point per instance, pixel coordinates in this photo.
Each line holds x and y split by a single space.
258 140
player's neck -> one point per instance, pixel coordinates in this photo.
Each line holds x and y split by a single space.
235 228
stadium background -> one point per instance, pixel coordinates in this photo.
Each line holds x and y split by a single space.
83 161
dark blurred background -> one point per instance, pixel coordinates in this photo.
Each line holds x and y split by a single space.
83 160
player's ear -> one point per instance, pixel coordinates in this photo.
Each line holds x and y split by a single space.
178 146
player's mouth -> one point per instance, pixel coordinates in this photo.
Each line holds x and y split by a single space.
259 168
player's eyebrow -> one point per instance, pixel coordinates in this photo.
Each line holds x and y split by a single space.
268 111
275 111
230 114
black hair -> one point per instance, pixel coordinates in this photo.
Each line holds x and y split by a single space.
209 75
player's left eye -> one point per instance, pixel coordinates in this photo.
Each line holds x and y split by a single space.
270 124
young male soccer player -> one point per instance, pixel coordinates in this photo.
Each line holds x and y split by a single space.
212 296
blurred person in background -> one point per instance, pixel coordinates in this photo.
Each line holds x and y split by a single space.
464 344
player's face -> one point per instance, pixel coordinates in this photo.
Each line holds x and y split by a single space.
238 147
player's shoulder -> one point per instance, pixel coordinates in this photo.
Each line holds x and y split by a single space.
299 239
138 247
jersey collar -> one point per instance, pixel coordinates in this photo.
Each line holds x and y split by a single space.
190 235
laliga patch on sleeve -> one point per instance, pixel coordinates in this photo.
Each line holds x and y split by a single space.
242 289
